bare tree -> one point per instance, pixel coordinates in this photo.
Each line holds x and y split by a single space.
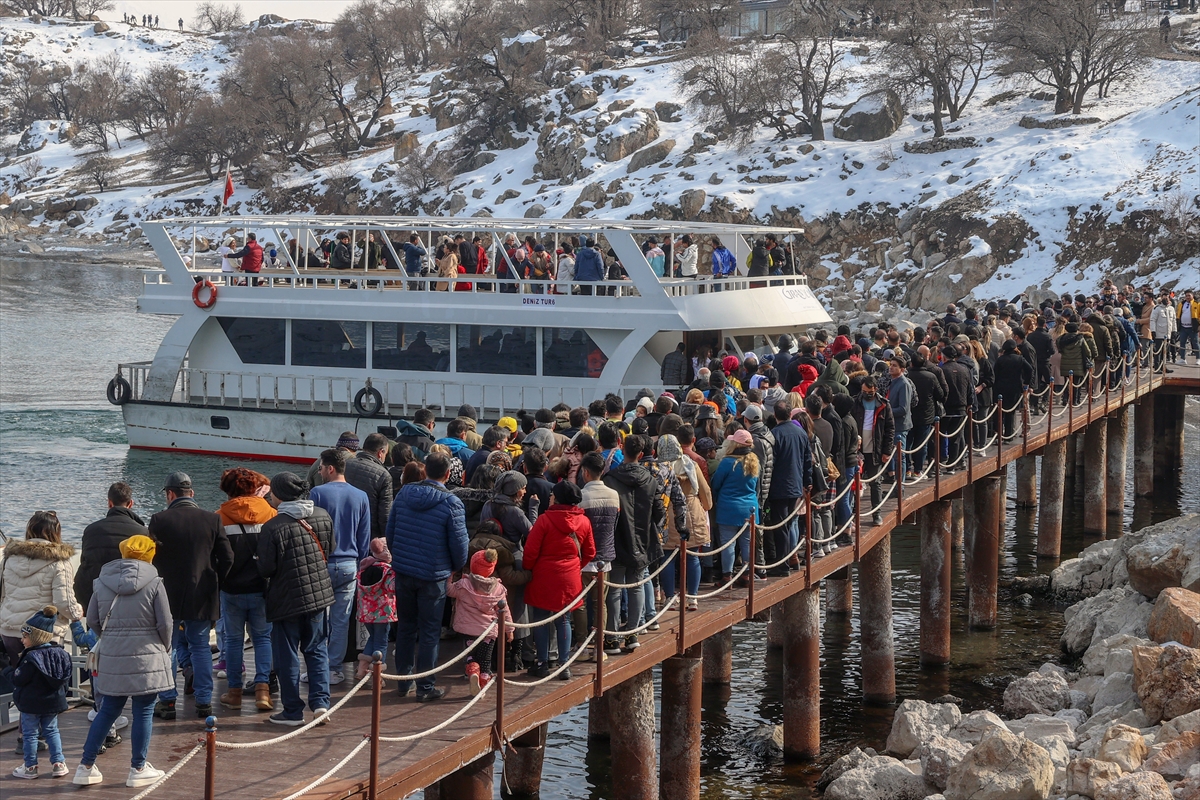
423 171
209 136
1071 47
30 169
217 17
725 87
98 111
159 100
103 170
937 48
86 9
811 64
693 20
25 85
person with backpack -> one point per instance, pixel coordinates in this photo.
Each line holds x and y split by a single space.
479 599
376 582
39 681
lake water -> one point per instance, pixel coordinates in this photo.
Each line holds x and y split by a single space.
64 327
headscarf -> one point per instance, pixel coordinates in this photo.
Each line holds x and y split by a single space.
501 459
510 483
670 452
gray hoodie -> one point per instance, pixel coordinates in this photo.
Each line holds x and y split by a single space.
134 648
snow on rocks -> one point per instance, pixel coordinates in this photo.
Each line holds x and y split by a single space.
874 116
917 721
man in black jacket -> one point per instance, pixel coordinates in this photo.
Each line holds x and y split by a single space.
192 558
924 409
292 552
366 472
102 539
642 513
417 434
960 396
873 415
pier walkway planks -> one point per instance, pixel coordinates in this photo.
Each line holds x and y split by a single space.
281 769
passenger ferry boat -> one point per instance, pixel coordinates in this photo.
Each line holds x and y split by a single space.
278 364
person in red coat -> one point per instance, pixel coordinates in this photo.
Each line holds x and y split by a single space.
559 545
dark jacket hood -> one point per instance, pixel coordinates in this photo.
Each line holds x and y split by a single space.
406 428
632 475
424 495
127 575
51 660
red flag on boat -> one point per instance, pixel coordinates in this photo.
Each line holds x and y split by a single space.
228 187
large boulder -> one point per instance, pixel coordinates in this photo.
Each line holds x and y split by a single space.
1173 759
1113 654
1112 611
650 155
407 143
1167 680
951 280
691 202
1087 776
1037 726
854 758
765 741
1036 693
1002 766
1081 577
581 96
1174 728
627 134
1124 746
1136 786
1116 689
561 153
878 778
974 726
1176 617
874 116
939 755
525 53
1168 556
917 721
101 27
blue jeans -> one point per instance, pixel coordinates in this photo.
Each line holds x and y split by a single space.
341 574
541 634
47 725
140 721
915 436
419 606
668 576
636 599
290 637
189 645
1189 334
902 440
845 505
240 611
724 534
377 639
648 609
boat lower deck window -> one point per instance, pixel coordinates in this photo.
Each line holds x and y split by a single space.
571 353
411 346
257 341
219 423
322 343
497 350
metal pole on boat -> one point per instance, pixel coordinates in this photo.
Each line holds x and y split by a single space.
210 758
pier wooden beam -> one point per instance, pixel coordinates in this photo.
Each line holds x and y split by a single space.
523 757
1050 512
839 593
1118 438
936 524
983 568
679 773
1027 493
631 713
718 657
1095 441
875 623
802 675
1143 447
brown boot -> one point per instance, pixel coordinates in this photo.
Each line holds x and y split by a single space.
232 698
262 697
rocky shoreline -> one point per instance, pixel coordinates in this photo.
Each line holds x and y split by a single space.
1122 723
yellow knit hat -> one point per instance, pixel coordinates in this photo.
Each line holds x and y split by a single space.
139 547
508 423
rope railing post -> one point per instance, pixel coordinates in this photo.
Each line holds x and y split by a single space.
970 441
750 573
1025 422
601 608
682 583
999 430
1050 412
1090 388
1124 370
1071 401
808 522
210 758
376 711
501 641
898 471
857 513
937 457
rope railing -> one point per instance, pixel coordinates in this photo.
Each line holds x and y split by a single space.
986 417
795 513
525 626
887 462
591 637
921 446
448 721
886 496
1015 405
721 589
442 667
169 774
845 527
831 502
957 430
954 464
648 578
667 606
987 444
726 545
921 475
318 720
357 749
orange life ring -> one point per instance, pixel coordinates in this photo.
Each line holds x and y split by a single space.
212 294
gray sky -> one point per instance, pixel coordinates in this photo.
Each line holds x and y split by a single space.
172 10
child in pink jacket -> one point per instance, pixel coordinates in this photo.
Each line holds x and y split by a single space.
376 602
477 595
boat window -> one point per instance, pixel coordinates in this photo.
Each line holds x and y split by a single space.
500 350
257 341
571 353
321 343
219 423
411 345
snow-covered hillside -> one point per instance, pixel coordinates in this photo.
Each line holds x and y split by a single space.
1019 207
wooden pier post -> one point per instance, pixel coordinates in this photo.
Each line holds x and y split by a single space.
679 743
1143 447
839 593
469 782
774 627
984 565
935 521
523 757
1118 438
1050 512
1095 516
956 523
875 623
1027 489
718 657
802 675
631 713
1072 447
599 726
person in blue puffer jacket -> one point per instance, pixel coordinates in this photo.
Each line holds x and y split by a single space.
427 535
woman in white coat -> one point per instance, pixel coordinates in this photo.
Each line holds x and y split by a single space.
37 572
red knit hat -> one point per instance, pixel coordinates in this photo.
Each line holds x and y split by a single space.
481 565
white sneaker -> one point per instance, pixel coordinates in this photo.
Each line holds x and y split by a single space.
28 773
87 776
320 714
122 721
336 677
58 770
144 776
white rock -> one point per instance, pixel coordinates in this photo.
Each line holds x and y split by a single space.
1078 701
1124 746
1098 722
1138 786
1082 617
1086 776
1073 716
1172 729
1002 767
1099 658
1036 693
974 725
1131 615
916 721
1035 726
878 778
938 756
1116 689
